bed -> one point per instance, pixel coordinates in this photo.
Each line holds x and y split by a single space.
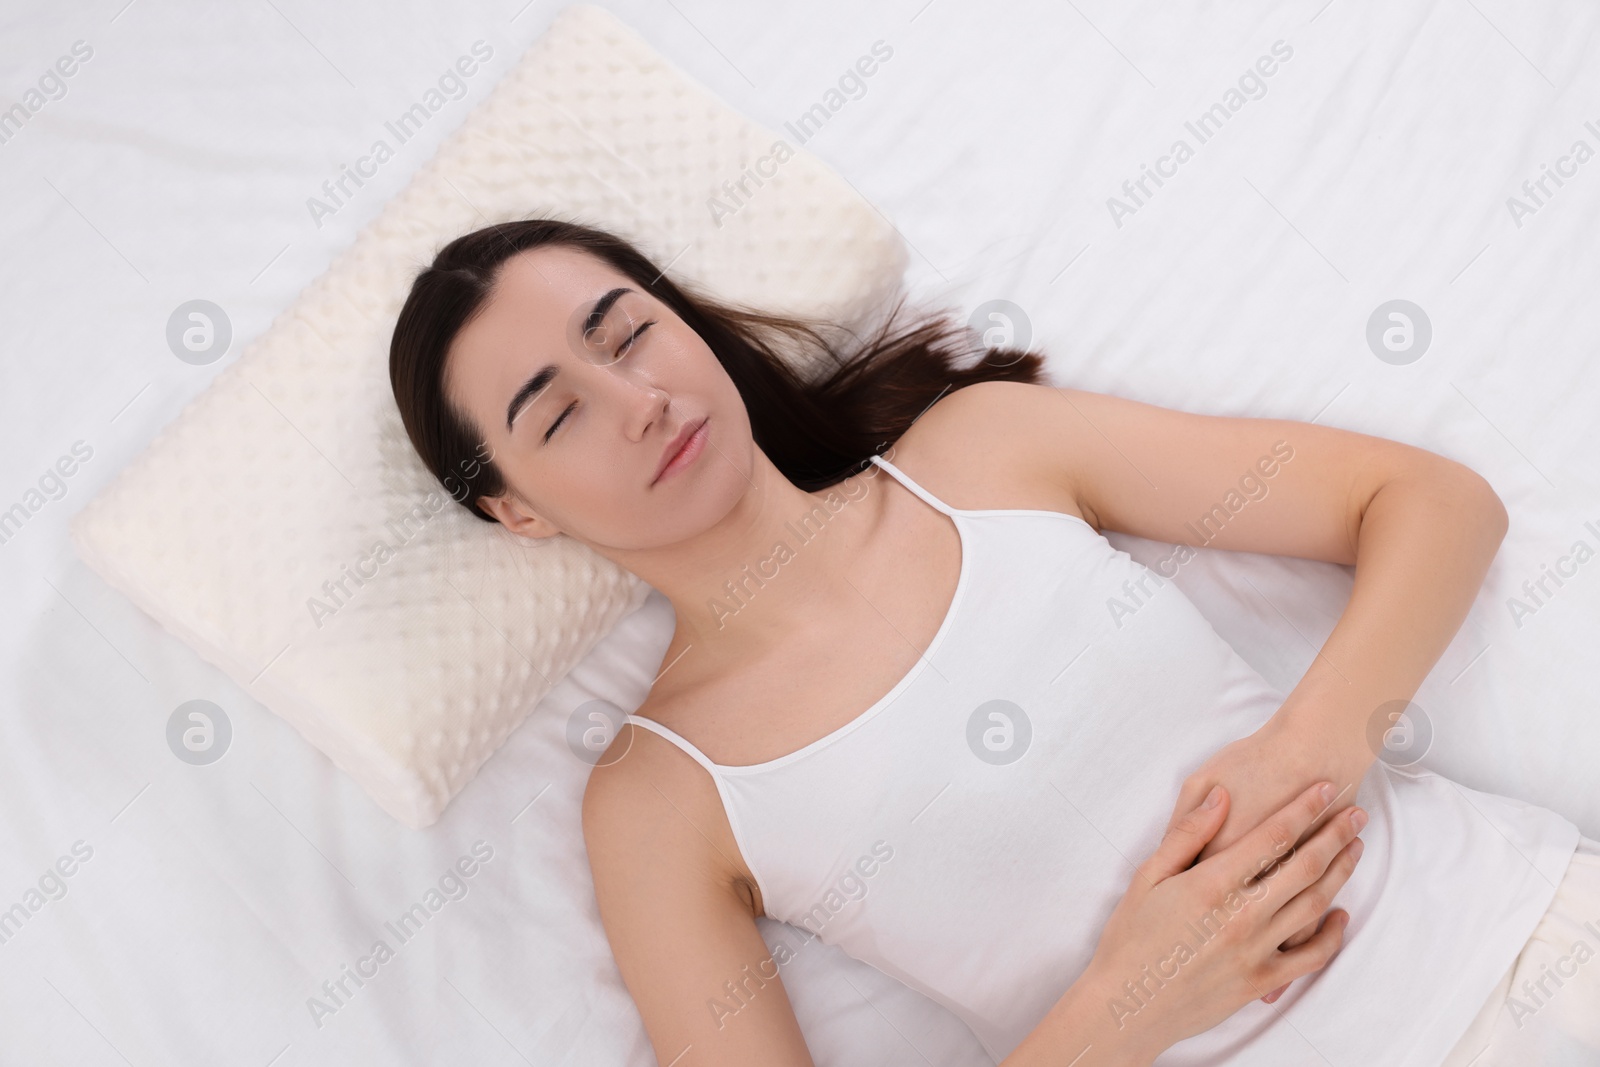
1343 163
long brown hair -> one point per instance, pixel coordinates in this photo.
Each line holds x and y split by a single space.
816 429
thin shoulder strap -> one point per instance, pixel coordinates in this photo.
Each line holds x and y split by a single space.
677 739
905 480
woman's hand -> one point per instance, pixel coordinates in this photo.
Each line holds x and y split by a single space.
1263 770
1188 946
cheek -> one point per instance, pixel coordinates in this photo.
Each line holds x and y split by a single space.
684 363
589 497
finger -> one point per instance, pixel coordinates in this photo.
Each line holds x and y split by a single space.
1297 882
1300 936
1304 934
1190 795
1186 835
1275 994
1261 850
1311 956
1307 906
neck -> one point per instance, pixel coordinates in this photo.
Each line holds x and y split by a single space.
748 582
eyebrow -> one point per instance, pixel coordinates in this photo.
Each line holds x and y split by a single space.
546 374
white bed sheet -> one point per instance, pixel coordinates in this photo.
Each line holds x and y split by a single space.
1376 166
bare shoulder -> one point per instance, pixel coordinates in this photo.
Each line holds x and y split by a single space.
995 444
651 814
676 915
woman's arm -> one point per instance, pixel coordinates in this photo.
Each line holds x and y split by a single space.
1424 541
1419 528
680 923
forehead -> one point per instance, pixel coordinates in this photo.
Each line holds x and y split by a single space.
525 319
542 287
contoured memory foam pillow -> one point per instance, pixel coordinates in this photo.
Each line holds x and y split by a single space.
283 526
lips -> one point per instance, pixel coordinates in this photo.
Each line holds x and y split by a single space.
676 445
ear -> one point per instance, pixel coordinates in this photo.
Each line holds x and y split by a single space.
515 515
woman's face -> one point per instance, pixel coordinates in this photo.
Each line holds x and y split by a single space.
580 425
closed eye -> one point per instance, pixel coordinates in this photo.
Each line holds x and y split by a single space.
560 419
627 343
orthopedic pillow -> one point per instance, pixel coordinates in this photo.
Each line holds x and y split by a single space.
284 528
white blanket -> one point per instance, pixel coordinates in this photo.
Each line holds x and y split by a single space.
1384 159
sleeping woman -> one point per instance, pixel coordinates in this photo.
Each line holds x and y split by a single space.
917 705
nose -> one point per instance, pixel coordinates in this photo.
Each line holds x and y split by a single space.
642 401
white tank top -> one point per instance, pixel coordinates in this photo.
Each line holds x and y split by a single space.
970 833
